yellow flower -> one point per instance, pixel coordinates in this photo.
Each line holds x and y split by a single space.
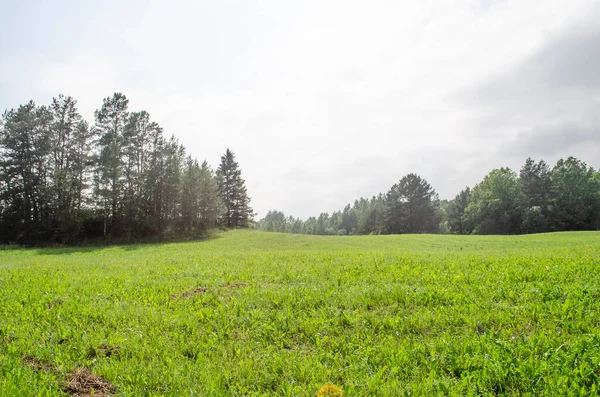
330 391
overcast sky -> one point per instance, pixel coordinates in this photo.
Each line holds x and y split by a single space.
327 101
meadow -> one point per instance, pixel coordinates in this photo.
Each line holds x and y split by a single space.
255 313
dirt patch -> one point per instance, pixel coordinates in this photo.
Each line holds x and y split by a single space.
199 290
109 350
50 305
82 383
64 340
234 285
36 364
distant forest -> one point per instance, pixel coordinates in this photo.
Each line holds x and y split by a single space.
65 181
120 179
538 199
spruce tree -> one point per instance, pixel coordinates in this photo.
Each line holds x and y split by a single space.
232 189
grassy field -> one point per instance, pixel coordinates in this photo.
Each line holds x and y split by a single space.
252 313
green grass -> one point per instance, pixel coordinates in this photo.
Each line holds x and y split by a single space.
286 314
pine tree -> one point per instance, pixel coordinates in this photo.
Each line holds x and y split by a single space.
137 137
82 161
174 157
110 124
141 184
232 189
69 135
154 181
410 207
25 149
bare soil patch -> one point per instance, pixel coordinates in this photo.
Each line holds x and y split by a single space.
50 305
187 294
109 350
36 364
201 290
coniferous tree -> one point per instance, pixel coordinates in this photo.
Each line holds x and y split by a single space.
201 204
142 184
410 206
535 179
110 124
174 157
145 186
137 136
154 180
210 204
25 143
190 195
82 163
232 189
70 142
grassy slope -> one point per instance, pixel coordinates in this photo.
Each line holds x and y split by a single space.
377 315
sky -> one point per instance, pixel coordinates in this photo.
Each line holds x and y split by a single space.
322 101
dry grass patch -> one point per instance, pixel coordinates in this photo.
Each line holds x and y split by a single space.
82 383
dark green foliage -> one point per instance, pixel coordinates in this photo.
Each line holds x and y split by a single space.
413 211
538 200
410 206
456 212
575 196
372 216
201 204
535 179
109 180
137 145
71 158
64 182
25 143
232 190
496 205
595 184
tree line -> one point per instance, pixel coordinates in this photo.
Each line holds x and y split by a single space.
538 199
63 180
